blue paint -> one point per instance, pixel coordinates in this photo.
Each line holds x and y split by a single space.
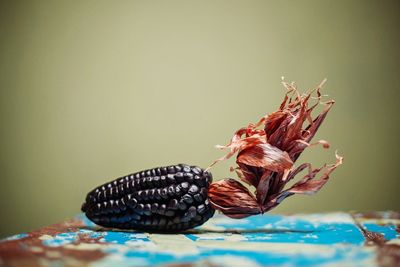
263 258
192 237
253 222
388 230
195 237
116 237
14 237
123 237
276 228
154 258
322 234
62 239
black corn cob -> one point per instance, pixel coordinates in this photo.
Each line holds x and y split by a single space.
164 199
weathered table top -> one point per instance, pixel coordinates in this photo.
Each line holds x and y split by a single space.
330 239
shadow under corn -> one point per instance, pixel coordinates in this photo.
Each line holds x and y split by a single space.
202 231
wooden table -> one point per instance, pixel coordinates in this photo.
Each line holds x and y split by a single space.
327 239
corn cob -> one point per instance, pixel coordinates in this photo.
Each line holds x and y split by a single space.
164 199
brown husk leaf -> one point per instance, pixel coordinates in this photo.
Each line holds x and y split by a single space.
266 152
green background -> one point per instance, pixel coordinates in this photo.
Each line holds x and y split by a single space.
91 90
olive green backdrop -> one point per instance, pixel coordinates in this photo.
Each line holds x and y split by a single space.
91 90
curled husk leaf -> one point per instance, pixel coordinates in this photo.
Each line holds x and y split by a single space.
266 153
235 200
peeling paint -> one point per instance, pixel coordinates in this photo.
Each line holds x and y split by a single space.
301 239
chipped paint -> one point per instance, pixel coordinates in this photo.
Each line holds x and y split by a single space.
301 239
388 231
14 237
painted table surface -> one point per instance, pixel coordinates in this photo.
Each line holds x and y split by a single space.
328 239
